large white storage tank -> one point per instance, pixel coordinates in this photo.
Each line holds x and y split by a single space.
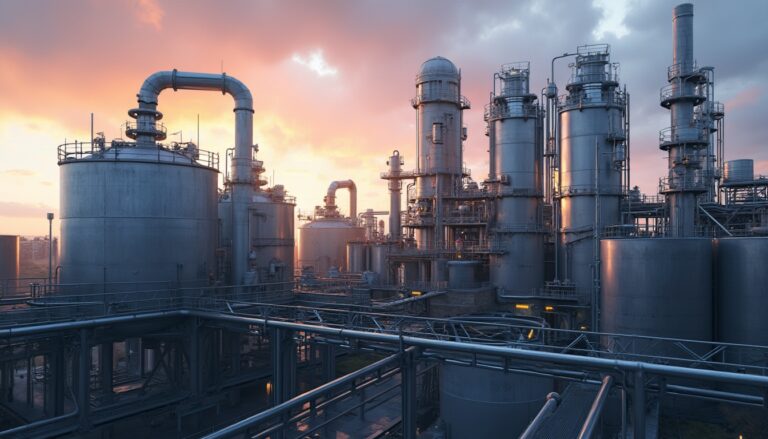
137 217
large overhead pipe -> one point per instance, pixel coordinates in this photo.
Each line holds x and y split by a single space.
242 192
330 197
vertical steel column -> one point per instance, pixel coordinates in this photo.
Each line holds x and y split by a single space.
283 351
408 393
329 362
58 366
83 379
194 357
105 372
638 401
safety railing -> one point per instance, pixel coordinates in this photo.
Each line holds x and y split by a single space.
682 70
509 108
580 99
676 91
113 151
696 134
428 96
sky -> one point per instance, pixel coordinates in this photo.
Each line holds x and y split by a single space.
332 80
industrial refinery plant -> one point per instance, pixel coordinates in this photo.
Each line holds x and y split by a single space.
543 297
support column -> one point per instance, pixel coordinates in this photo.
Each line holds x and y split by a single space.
408 393
639 404
329 362
283 350
105 375
83 379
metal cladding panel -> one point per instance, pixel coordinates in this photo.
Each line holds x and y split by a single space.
657 287
272 240
480 403
463 274
323 244
739 171
742 290
521 267
137 222
9 258
516 155
357 257
584 143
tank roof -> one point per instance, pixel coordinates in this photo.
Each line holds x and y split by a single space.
437 67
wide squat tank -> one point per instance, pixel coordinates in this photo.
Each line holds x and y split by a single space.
137 218
323 243
482 403
660 287
742 293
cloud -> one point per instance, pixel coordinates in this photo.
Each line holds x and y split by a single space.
316 63
612 21
23 210
149 12
18 173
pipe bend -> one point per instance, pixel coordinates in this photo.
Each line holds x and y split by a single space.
330 198
159 81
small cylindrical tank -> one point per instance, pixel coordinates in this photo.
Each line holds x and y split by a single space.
9 263
463 274
742 291
380 262
323 243
358 257
739 171
271 238
137 217
480 403
660 287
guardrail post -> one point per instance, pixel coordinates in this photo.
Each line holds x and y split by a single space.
83 379
408 393
329 362
639 404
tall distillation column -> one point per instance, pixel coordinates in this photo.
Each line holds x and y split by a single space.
514 127
687 139
439 106
395 186
592 158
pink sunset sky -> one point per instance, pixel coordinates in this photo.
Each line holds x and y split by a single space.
332 80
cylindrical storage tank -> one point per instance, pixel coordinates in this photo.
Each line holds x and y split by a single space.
271 233
137 218
739 171
463 274
9 263
742 293
481 403
380 262
357 257
660 287
323 243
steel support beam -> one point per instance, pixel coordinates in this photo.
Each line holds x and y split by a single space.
553 400
638 400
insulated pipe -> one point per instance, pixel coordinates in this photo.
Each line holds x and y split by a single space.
242 191
330 198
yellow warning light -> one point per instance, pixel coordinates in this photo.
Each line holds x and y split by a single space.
530 334
549 308
522 306
416 293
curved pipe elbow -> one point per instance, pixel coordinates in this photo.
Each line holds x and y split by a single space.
159 81
330 198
